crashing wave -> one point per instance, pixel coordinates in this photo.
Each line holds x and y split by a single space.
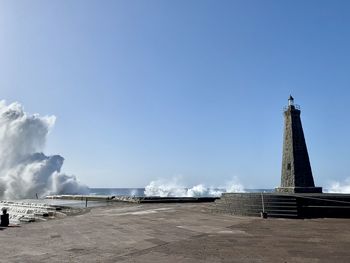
26 172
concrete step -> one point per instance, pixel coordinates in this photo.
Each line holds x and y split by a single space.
295 211
277 215
275 200
251 205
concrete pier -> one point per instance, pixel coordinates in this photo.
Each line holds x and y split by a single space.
172 232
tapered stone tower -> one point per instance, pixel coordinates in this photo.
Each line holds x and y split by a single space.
296 174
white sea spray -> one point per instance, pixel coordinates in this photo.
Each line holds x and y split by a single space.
26 172
340 187
174 188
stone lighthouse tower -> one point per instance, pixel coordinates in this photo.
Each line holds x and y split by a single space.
296 174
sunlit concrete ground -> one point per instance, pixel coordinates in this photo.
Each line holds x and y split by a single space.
175 233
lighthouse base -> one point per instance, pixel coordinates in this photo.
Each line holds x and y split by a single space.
298 190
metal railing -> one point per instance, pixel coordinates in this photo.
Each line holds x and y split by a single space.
296 106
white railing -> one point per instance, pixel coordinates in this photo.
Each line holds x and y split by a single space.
296 106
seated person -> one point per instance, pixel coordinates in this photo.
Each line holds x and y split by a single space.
4 218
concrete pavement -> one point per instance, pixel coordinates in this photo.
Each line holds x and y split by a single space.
175 233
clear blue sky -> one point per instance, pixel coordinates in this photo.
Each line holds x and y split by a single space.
153 89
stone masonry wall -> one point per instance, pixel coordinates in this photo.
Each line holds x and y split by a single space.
296 168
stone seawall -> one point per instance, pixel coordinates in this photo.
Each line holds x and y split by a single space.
284 205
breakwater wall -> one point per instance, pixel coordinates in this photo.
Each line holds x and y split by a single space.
133 199
25 212
315 205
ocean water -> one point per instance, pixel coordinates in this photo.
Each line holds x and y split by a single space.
140 192
118 191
